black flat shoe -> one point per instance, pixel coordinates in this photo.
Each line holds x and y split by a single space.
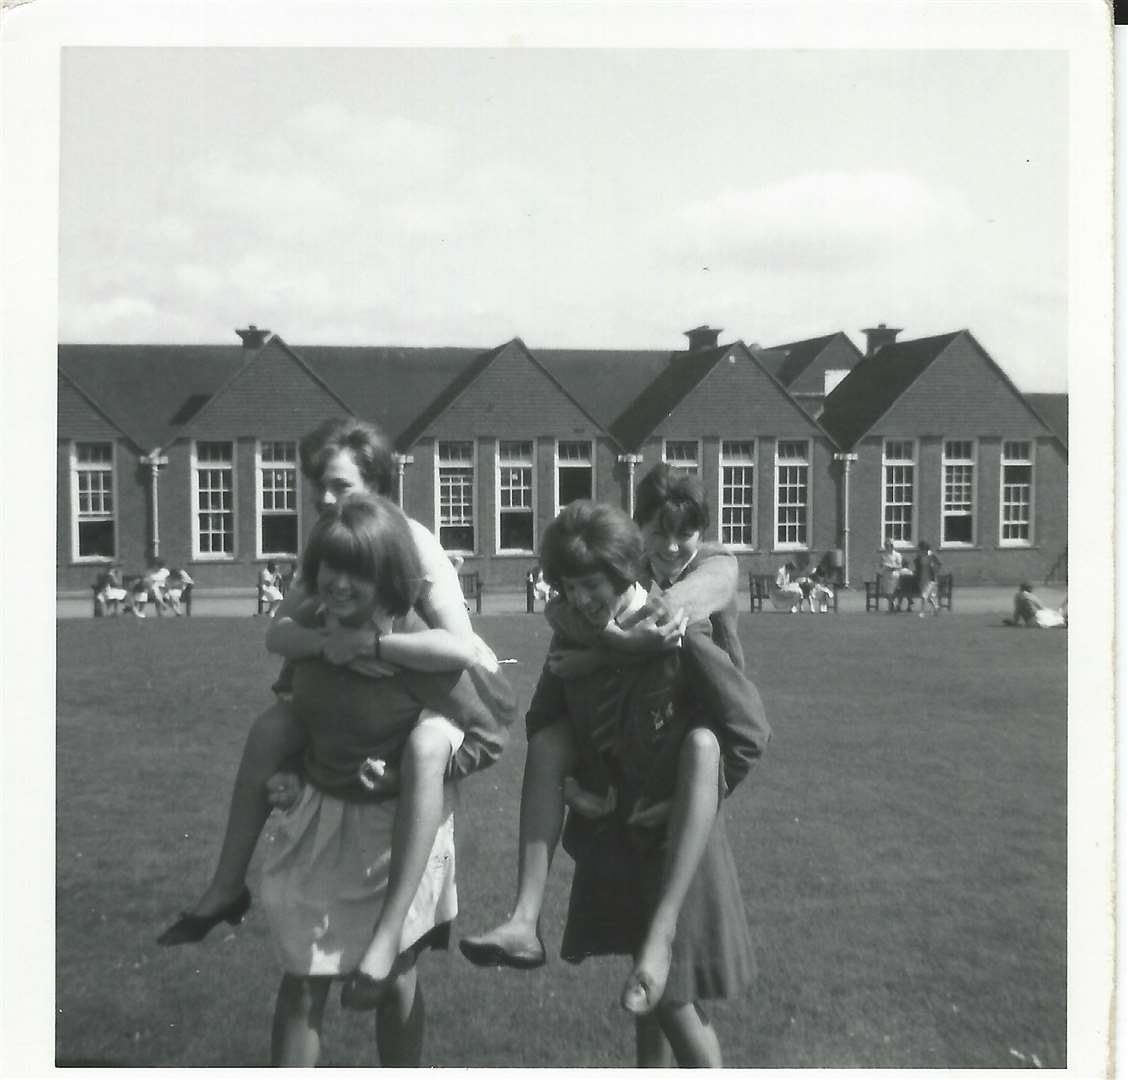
490 954
189 929
363 992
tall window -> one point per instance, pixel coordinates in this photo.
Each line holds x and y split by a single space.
958 511
515 524
792 493
682 453
454 462
575 474
738 493
278 498
899 471
92 501
1016 505
214 472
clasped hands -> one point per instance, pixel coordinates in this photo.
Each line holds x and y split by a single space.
646 814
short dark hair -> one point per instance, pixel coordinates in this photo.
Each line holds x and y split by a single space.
369 536
672 498
366 442
1026 587
587 538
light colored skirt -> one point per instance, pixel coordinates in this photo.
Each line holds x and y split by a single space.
326 874
787 597
270 593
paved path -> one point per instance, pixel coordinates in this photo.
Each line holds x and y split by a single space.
971 600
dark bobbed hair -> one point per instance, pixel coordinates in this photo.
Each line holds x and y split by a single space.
367 443
587 538
369 536
672 499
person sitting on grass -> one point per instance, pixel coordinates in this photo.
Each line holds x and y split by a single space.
648 751
1030 611
109 589
334 859
340 458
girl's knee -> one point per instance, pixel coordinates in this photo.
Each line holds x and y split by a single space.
428 746
701 743
303 994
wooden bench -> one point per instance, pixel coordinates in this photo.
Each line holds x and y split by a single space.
758 586
945 584
472 589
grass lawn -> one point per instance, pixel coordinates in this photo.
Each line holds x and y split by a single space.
902 849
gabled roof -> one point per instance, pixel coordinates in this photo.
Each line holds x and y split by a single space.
253 357
787 362
605 381
1053 409
154 388
101 410
871 388
387 385
664 394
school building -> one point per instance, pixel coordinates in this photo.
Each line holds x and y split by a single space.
189 452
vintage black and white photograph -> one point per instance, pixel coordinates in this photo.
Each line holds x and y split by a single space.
562 539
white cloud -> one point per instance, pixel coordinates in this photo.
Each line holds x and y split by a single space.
827 219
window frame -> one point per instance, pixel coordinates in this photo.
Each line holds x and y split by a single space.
1004 461
437 474
194 469
260 489
677 464
558 463
909 543
75 511
791 545
531 510
723 463
945 462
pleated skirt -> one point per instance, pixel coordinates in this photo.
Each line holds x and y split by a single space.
615 888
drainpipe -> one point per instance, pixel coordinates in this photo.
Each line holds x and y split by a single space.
401 461
154 461
631 461
846 459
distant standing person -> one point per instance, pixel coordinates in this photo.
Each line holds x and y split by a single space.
270 592
927 567
892 571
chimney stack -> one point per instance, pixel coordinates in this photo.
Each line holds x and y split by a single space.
879 336
253 337
702 337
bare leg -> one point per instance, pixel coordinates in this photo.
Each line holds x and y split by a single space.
550 757
274 736
419 812
692 1038
295 1040
694 811
652 1048
400 1021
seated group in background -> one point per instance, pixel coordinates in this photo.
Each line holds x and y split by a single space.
793 589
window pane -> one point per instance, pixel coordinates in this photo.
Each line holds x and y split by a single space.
456 537
517 531
280 534
573 484
682 453
738 504
574 451
957 529
96 539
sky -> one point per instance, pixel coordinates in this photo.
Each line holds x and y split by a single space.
575 198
